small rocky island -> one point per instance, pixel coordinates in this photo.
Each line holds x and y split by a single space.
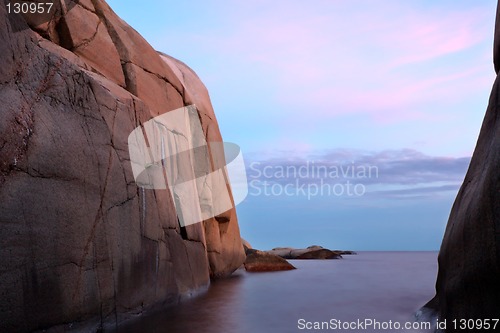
276 259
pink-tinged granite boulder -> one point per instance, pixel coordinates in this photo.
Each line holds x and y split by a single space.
469 259
83 246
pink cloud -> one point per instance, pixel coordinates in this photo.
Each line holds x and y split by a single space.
361 60
422 38
390 63
393 101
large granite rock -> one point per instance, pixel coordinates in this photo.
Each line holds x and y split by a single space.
81 243
469 259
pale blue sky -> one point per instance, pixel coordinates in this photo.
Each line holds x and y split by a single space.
401 85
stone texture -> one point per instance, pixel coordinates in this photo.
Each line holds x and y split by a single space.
469 259
224 243
86 35
82 246
259 261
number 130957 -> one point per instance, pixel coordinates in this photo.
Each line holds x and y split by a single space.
22 7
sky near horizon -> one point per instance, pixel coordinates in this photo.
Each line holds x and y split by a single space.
338 87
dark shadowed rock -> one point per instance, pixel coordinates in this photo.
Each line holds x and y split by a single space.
320 254
469 259
260 261
80 241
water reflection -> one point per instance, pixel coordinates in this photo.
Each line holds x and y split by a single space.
380 285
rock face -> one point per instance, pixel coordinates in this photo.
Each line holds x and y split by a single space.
259 261
469 259
81 243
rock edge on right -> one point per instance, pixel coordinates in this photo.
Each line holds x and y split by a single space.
467 285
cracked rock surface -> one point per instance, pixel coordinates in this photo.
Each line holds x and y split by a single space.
82 246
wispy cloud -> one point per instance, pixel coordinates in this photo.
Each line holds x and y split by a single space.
291 67
357 60
386 174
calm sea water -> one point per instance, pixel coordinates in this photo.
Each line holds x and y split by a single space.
383 286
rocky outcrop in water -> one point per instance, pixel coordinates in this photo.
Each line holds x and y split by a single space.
259 261
311 252
82 245
469 259
276 259
320 254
